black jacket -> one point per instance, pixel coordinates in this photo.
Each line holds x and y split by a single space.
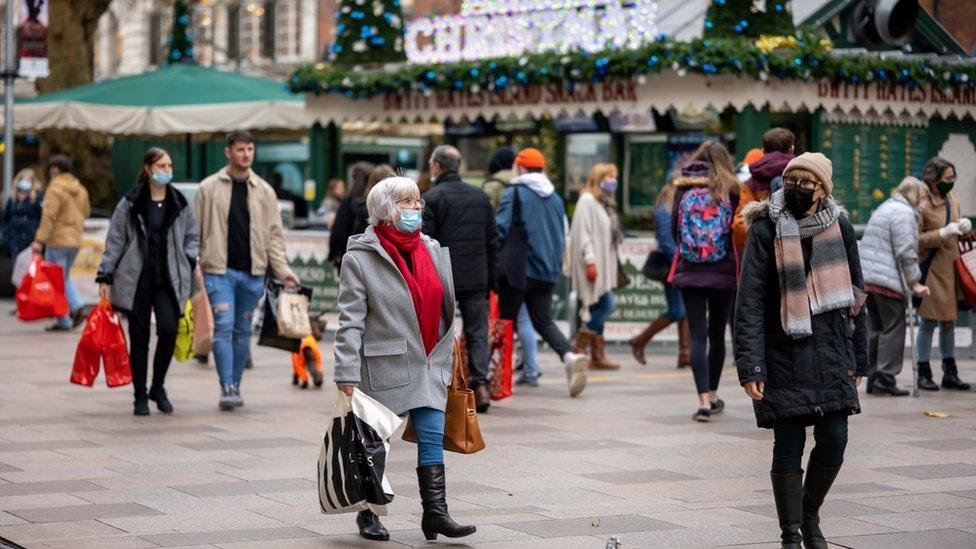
350 220
460 217
20 221
804 377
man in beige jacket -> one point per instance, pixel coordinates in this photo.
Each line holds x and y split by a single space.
240 238
59 236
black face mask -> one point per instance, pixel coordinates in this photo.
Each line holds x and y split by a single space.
798 201
945 186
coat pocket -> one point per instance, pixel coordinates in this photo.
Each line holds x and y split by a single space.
442 361
386 363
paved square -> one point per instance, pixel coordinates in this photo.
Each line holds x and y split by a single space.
624 460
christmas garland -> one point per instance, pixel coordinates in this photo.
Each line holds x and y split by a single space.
805 56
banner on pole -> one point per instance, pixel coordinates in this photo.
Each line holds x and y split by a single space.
32 39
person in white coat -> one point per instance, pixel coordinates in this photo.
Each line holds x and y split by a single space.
889 260
594 236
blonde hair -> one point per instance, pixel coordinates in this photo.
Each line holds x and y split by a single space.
29 175
598 173
381 202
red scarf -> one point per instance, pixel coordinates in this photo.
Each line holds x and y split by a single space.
423 282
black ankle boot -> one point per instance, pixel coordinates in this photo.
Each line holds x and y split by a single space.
370 526
141 406
815 487
436 519
925 377
788 493
158 395
950 376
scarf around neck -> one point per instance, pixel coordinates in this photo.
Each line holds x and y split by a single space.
422 280
829 285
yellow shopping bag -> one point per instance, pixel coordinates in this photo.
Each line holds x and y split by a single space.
184 335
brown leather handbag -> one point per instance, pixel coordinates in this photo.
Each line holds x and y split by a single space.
461 431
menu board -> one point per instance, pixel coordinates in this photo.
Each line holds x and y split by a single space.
646 170
869 160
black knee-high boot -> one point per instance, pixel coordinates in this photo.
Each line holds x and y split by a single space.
436 519
815 487
788 493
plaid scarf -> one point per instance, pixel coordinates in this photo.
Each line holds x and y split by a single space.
829 285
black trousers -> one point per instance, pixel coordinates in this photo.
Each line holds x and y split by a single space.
474 313
159 299
790 435
537 297
707 310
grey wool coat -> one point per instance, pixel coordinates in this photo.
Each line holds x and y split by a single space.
889 246
126 248
378 346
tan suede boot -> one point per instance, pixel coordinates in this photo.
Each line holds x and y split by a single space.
583 341
599 360
638 343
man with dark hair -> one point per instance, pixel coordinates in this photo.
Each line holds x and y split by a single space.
766 176
240 238
541 214
460 217
59 235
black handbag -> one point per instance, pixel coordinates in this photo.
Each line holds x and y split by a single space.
515 252
657 266
269 336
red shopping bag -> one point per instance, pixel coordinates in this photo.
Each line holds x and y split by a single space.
500 336
41 292
965 266
102 340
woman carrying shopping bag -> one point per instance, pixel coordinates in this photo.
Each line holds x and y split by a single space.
395 338
22 215
705 265
801 344
594 236
147 267
890 263
938 248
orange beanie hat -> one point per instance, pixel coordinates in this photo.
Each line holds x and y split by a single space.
530 158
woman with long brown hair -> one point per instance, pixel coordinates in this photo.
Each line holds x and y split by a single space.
150 254
675 311
705 264
594 236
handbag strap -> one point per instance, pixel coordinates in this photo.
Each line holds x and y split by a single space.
457 380
517 207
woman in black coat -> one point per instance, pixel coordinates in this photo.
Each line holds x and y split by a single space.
801 337
351 214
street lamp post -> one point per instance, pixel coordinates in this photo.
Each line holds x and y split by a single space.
9 74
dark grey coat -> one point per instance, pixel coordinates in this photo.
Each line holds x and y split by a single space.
126 247
378 346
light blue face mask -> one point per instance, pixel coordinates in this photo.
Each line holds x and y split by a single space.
24 185
409 222
162 178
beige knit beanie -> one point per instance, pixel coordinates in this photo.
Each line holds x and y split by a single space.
817 164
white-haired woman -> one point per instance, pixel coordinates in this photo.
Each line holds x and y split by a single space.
394 342
889 260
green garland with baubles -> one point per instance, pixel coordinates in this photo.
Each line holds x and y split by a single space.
802 56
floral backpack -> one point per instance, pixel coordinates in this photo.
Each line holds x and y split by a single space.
705 227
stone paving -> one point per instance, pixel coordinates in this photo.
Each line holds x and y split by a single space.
625 460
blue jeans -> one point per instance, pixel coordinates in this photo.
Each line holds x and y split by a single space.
233 296
428 425
947 339
530 344
676 305
66 258
599 312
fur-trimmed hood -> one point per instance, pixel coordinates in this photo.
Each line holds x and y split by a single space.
690 181
755 211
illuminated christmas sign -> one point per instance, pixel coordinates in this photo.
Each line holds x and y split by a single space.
504 28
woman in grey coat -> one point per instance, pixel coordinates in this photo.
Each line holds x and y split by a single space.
150 253
395 336
889 261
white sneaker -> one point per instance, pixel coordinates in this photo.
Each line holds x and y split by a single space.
576 366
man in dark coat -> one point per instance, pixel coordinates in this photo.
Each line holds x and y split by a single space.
460 217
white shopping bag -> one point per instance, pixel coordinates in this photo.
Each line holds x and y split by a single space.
352 460
21 264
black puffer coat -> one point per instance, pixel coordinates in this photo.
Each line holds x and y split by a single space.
460 217
804 377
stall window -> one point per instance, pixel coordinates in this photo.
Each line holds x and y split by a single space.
583 150
645 170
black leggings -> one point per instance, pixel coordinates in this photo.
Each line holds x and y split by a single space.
160 300
708 314
789 437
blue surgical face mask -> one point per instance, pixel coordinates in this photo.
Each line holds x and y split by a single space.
24 185
409 222
162 178
609 186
